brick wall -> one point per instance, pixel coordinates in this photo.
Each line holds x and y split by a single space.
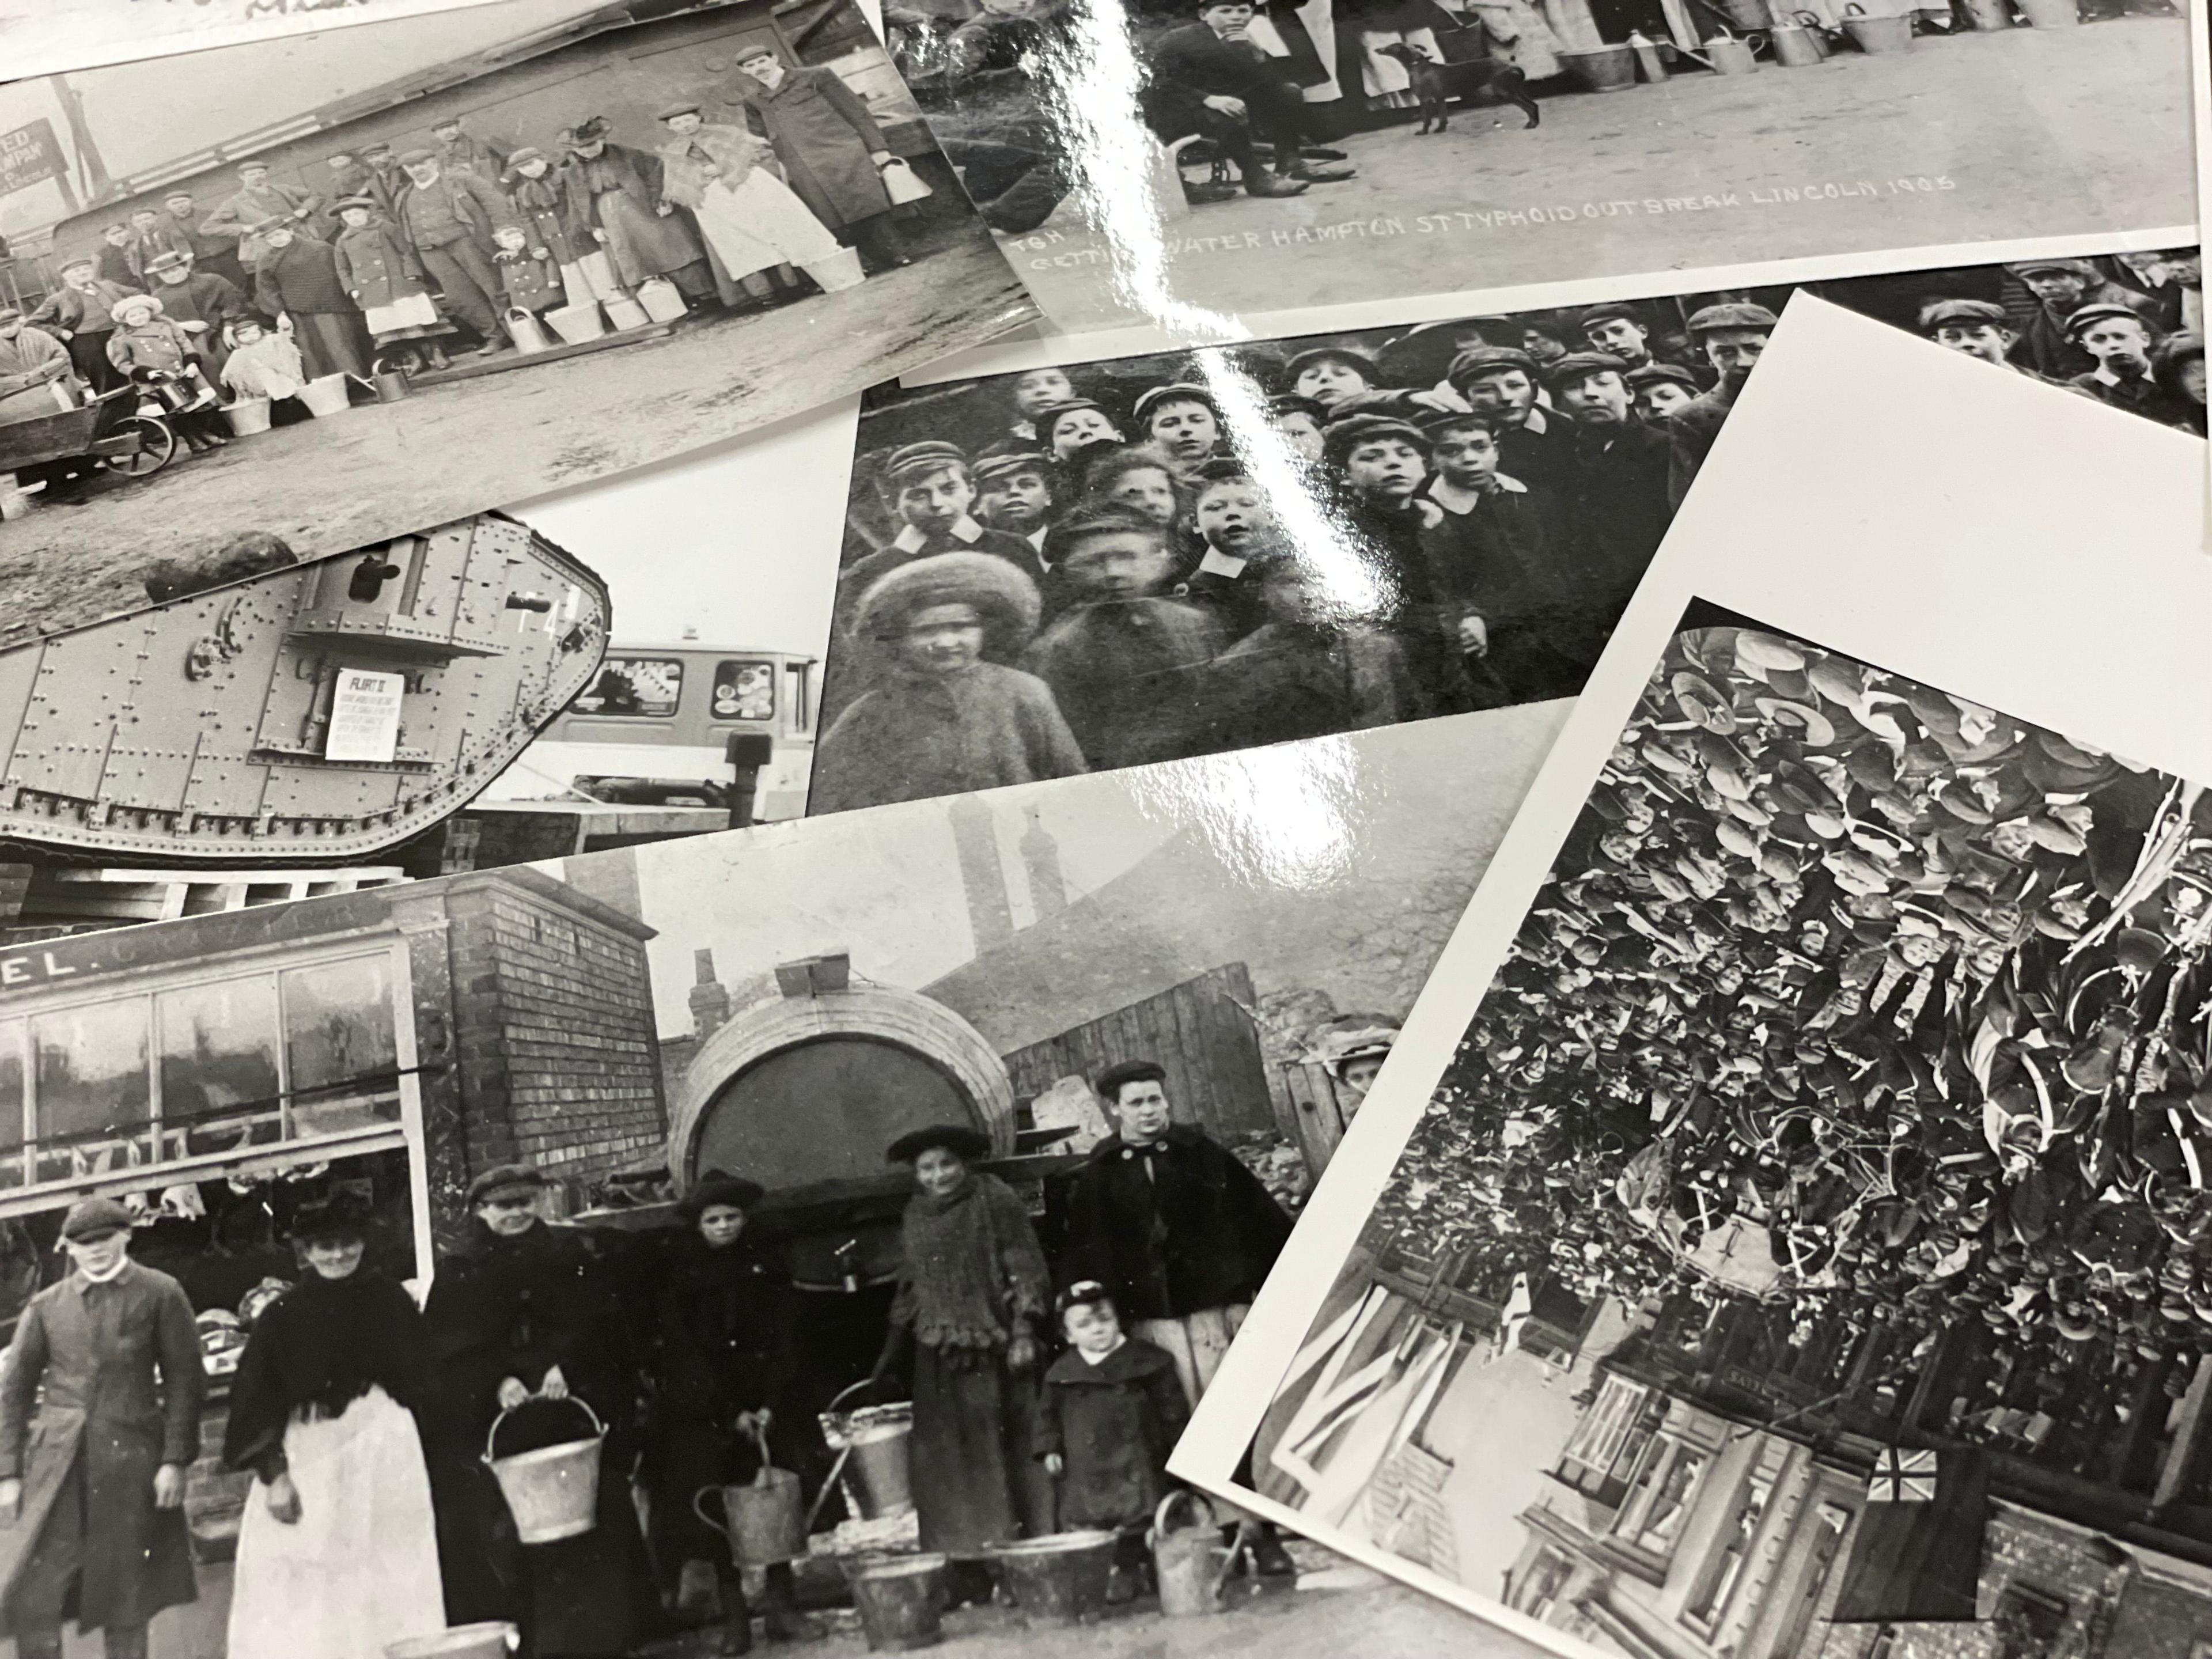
558 1062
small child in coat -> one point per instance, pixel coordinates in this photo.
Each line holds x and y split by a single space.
263 363
153 352
530 276
1109 1412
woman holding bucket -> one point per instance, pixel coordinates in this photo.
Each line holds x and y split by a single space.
337 1553
533 1353
973 1291
752 220
726 1322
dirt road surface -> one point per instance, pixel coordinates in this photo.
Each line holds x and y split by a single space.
1979 136
380 470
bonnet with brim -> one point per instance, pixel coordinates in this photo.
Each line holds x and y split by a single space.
1001 593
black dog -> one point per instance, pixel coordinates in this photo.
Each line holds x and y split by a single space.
1435 84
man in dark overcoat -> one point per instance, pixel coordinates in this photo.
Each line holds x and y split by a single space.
1731 335
447 217
106 1364
832 153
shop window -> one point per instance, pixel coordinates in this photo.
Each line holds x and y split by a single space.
341 1047
638 687
744 691
1724 1567
93 1102
221 1087
1610 1440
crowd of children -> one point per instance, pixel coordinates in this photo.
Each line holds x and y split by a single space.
1149 559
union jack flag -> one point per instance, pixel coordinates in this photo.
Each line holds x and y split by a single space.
1902 1476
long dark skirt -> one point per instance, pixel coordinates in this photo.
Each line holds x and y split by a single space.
975 1481
332 342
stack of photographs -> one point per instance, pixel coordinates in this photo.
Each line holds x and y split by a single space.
850 826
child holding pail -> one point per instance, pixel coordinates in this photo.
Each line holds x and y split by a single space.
726 1363
387 282
530 281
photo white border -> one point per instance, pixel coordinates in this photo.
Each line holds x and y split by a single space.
2004 540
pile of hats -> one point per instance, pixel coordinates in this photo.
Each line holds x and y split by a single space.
1915 991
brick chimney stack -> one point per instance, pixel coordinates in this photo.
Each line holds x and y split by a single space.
710 998
982 876
1040 858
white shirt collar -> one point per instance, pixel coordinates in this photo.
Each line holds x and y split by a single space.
912 539
1218 564
1120 1342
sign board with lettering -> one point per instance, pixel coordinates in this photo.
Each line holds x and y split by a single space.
365 716
29 155
44 37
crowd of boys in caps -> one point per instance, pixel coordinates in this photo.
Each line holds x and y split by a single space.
1094 568
410 249
1873 1001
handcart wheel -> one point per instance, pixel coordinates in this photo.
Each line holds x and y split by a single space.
157 443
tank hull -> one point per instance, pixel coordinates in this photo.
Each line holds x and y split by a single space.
324 713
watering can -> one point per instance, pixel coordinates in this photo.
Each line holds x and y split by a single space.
765 1522
1876 34
1725 54
1798 43
388 382
1191 1562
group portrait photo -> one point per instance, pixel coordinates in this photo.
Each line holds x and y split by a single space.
341 286
1098 564
1331 151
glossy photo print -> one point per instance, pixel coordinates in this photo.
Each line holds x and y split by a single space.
40 38
1088 565
1185 166
343 286
500 689
1776 1230
880 1131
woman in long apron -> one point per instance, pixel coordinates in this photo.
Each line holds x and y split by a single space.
973 1291
337 1551
754 222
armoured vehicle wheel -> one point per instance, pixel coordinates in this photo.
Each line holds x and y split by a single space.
156 444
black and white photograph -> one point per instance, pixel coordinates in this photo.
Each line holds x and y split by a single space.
339 287
41 38
1776 1231
816 1235
504 689
1087 565
1188 165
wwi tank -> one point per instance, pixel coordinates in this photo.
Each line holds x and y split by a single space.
321 712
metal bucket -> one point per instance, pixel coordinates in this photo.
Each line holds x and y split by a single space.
247 415
1190 1563
326 395
876 1442
662 300
1058 1579
626 314
576 324
1747 13
494 1639
900 1599
1879 34
523 328
836 271
553 1493
763 1522
1811 23
1795 47
1602 68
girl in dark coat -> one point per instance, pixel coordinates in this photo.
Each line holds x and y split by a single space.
725 1321
338 1553
526 1320
972 1290
1110 1411
297 276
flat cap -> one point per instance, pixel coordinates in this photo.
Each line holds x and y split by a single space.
1734 313
10 314
1047 419
1481 360
1339 437
88 1218
1306 360
681 107
1623 310
169 260
2080 268
503 1177
1175 391
1645 373
923 457
1578 365
1005 463
2098 312
344 202
527 153
409 158
1290 403
1937 312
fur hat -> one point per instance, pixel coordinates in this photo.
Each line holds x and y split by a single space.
1000 590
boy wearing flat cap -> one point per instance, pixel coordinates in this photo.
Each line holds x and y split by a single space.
1659 389
1533 445
1618 330
1731 335
2062 286
106 1364
1977 328
2119 338
1013 485
937 715
1181 421
1620 473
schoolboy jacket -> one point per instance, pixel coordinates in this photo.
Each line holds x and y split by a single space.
1112 1423
1173 1227
376 266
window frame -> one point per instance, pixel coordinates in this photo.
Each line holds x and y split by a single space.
145 985
774 691
674 710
